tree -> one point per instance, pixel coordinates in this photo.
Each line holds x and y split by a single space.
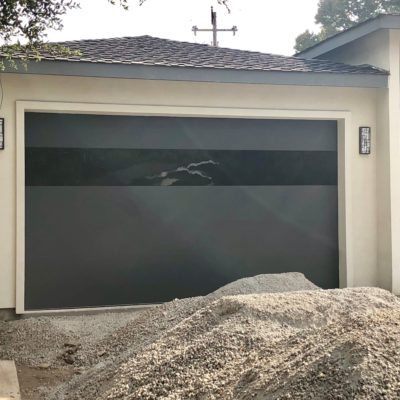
306 40
28 20
23 25
335 16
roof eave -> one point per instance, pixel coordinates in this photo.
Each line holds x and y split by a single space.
200 74
357 32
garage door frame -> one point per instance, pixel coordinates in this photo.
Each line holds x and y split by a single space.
343 119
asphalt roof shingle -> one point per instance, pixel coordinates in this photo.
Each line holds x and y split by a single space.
148 50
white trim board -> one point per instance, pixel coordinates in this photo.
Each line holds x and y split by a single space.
344 164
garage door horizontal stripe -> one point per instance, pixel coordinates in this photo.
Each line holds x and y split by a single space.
171 167
137 132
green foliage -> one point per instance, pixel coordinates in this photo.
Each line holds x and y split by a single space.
28 19
335 16
24 24
306 40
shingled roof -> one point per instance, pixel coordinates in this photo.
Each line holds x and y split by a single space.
151 51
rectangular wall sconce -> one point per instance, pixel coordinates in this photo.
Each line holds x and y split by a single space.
1 133
365 140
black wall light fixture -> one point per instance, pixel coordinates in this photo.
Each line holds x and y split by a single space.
365 140
1 133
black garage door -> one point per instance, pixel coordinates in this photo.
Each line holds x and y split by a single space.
134 210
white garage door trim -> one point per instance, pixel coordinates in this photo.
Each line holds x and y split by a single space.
344 164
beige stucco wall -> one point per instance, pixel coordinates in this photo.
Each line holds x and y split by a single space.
370 49
382 49
394 135
362 105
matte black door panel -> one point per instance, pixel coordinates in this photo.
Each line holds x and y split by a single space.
97 244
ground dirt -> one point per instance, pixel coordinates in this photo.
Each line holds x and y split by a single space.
32 379
266 337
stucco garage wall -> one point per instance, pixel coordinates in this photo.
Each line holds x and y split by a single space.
382 49
362 104
371 49
394 124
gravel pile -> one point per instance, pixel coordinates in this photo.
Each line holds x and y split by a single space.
273 283
31 342
46 341
104 356
153 323
266 337
339 344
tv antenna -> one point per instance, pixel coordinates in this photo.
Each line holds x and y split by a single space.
214 29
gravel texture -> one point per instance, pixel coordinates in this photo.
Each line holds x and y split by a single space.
284 340
45 341
338 344
106 354
273 283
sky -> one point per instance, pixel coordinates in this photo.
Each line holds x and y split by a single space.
269 26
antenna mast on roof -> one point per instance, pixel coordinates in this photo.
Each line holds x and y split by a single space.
214 29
